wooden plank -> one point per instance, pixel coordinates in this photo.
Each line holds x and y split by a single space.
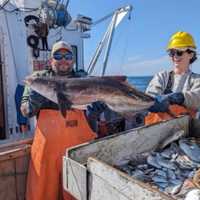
13 153
65 172
7 180
7 144
76 179
109 183
128 145
13 171
22 164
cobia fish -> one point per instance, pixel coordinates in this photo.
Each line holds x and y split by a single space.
69 93
191 148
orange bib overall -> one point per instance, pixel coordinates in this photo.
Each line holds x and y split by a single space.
175 111
53 135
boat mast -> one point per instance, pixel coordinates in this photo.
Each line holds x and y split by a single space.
118 15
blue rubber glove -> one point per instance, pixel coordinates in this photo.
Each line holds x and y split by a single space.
162 102
161 105
176 98
95 109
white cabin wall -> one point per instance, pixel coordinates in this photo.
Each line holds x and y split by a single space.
15 58
16 39
9 76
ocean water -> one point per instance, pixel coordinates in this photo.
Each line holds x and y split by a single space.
140 82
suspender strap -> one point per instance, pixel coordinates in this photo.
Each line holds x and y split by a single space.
168 88
189 81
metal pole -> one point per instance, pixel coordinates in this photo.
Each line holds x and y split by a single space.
67 3
107 36
98 52
109 43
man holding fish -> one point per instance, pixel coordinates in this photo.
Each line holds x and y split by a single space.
62 66
53 133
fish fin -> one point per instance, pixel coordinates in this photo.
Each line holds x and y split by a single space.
64 103
117 78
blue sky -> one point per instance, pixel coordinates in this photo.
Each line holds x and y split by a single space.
139 44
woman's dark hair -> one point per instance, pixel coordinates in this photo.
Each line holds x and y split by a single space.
194 55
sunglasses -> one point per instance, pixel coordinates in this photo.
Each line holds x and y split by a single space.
60 56
178 53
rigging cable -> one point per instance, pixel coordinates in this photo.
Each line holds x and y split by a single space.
4 4
124 52
20 9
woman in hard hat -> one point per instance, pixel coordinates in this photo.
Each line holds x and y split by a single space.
177 91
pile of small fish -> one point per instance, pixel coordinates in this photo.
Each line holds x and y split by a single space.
170 168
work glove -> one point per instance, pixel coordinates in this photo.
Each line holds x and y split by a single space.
176 98
36 99
160 105
173 98
95 109
162 102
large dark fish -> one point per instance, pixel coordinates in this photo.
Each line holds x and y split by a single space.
69 93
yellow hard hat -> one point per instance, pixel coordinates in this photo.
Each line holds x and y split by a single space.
181 40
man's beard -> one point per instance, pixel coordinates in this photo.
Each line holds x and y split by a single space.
66 72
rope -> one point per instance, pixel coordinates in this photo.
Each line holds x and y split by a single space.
2 7
124 52
4 4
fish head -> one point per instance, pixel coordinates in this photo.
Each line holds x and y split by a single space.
131 100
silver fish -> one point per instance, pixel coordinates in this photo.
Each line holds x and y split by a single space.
173 136
165 162
143 167
173 189
190 148
176 181
151 160
171 174
159 179
161 173
172 150
185 162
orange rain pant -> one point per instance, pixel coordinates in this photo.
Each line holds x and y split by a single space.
175 111
53 135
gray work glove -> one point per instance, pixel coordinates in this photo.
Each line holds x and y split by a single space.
96 109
